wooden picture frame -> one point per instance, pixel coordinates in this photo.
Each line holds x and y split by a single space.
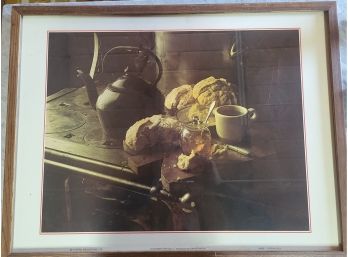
335 95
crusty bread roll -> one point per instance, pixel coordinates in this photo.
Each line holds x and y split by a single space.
222 97
179 98
157 130
185 100
193 163
204 84
201 94
212 89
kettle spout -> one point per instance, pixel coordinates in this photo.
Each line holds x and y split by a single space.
90 87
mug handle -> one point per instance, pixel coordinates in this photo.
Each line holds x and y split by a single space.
251 114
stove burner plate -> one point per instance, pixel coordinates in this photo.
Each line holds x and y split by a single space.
94 136
60 120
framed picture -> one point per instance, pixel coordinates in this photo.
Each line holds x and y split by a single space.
175 129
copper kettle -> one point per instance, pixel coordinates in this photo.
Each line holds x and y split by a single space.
127 99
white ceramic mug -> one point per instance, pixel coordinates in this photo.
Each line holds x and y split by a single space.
232 122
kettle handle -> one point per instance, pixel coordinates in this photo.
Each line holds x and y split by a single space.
136 50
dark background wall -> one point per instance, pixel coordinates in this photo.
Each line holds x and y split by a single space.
272 76
189 57
69 51
186 57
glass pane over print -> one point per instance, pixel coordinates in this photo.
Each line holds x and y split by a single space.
129 146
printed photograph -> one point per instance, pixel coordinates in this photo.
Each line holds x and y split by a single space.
174 131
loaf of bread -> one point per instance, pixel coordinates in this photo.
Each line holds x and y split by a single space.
201 94
179 98
185 100
157 130
212 89
191 163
